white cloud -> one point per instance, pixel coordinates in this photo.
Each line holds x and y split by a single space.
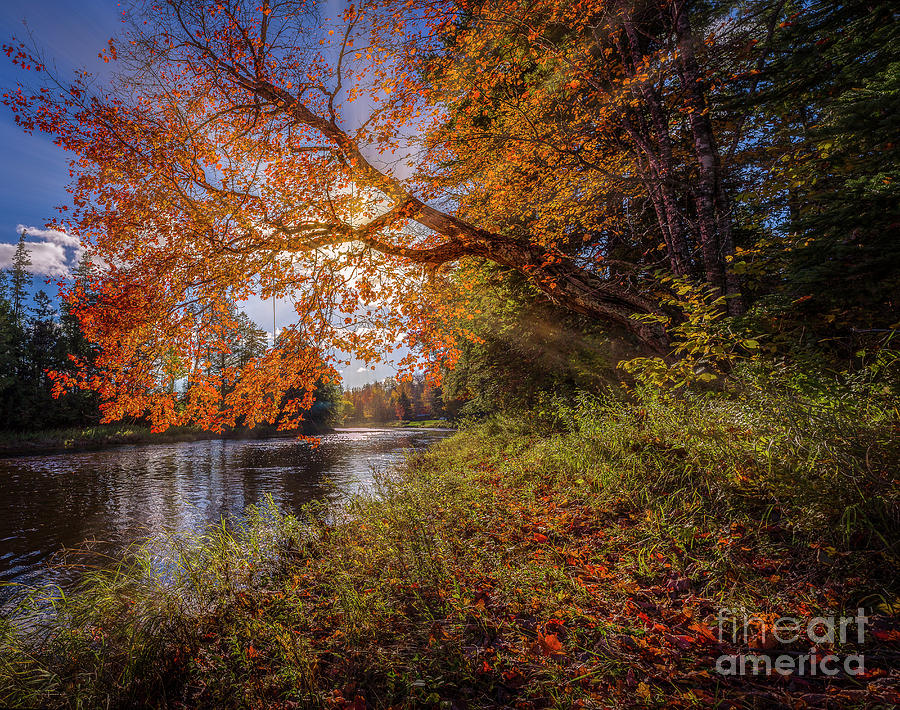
51 235
46 259
49 257
362 369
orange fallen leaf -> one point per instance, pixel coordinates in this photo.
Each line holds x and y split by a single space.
550 644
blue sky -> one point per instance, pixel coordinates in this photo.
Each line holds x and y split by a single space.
34 172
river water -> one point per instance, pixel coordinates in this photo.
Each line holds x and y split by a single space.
85 507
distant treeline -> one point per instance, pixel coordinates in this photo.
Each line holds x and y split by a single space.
37 337
393 400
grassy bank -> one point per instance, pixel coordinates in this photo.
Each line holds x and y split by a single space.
408 424
106 435
423 424
574 558
86 438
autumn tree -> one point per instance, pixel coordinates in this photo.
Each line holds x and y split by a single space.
402 406
380 402
591 116
266 148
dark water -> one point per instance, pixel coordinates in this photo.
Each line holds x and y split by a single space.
99 502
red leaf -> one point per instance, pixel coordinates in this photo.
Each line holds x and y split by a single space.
550 644
887 635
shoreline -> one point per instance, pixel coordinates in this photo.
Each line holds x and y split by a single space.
439 424
111 436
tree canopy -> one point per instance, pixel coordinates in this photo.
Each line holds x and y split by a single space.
348 163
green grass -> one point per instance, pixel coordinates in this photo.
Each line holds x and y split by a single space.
567 558
414 424
102 431
77 438
426 423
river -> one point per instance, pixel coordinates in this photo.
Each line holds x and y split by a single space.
86 507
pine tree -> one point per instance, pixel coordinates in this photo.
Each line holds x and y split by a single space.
21 279
43 338
403 406
7 341
832 95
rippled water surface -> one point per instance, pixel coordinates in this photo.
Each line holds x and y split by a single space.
103 501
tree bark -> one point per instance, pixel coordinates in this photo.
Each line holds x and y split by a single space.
711 199
659 158
583 291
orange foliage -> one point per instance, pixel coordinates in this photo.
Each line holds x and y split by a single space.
261 149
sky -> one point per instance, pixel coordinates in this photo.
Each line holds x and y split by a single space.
34 172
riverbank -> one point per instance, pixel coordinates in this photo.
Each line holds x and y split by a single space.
106 436
409 424
581 559
91 438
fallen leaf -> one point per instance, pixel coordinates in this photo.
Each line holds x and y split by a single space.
550 644
643 692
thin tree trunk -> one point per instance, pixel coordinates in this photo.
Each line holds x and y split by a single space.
713 206
660 159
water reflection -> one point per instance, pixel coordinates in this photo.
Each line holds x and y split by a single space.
118 496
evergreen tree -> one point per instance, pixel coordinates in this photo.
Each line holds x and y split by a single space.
433 401
16 391
43 338
41 350
824 117
7 343
403 406
252 341
33 342
20 278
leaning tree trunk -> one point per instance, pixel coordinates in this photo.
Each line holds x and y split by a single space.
584 292
552 272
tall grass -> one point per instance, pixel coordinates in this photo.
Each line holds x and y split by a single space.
71 434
